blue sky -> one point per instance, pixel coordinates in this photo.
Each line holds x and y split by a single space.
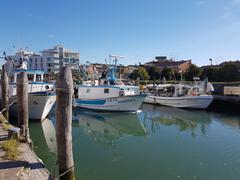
139 30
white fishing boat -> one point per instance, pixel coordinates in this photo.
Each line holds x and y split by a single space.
180 96
109 96
41 96
39 103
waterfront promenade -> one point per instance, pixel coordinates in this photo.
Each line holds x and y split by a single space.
27 166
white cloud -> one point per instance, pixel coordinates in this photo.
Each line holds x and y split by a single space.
51 36
230 9
226 14
200 2
236 2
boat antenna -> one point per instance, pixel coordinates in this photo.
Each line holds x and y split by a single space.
115 59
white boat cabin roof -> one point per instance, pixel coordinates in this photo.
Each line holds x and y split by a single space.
33 75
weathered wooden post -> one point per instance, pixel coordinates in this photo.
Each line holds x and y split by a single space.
64 90
22 104
5 87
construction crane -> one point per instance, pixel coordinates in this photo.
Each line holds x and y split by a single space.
115 58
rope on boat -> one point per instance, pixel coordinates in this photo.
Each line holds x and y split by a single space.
2 118
6 107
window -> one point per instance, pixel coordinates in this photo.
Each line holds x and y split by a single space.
30 77
38 78
88 90
106 91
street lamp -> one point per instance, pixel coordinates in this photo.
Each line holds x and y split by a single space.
211 61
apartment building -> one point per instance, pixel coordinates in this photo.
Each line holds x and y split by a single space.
48 60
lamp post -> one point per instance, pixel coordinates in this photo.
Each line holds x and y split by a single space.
211 61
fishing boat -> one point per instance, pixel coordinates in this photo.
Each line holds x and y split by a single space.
180 96
108 95
39 103
41 96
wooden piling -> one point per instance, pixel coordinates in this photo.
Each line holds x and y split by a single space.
22 104
64 91
5 87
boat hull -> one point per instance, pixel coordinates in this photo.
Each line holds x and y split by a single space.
195 102
39 105
121 103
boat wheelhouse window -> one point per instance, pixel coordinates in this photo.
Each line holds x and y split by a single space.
38 78
106 90
88 90
30 77
105 82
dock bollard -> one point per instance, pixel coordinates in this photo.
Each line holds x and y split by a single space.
64 91
14 133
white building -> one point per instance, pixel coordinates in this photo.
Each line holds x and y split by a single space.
51 59
48 60
15 60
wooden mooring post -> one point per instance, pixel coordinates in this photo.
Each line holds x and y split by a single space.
22 104
5 87
64 91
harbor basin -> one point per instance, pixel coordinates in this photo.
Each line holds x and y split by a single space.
155 143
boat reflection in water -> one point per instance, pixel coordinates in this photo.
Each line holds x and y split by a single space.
44 141
108 127
170 116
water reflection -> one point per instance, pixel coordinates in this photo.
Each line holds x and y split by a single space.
108 127
44 141
183 119
49 135
107 144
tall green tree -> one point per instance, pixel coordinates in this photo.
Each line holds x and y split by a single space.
228 73
154 72
193 71
139 73
168 73
211 73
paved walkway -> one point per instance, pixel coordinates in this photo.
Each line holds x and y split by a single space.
27 167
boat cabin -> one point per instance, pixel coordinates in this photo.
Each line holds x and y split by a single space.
172 90
33 75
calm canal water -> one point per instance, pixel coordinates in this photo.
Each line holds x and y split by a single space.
157 143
